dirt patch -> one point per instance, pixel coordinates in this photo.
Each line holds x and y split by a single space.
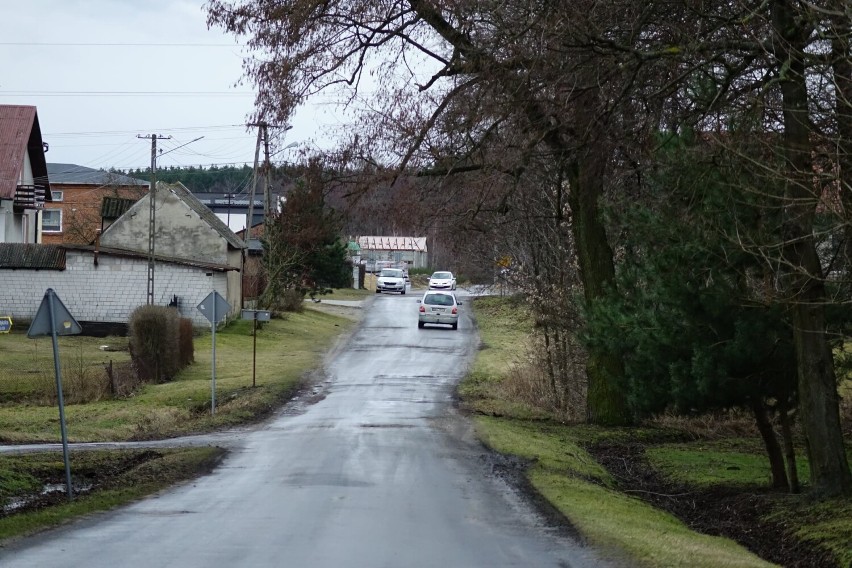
93 471
735 513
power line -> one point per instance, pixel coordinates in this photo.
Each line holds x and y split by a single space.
123 132
126 93
117 44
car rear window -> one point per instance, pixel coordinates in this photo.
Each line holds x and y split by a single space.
438 300
391 273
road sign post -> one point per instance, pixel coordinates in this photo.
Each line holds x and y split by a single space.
54 319
255 316
215 308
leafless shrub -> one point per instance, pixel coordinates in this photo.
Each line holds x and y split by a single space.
123 378
290 301
558 388
159 422
710 426
81 383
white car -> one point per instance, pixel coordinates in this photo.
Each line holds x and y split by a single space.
438 307
442 281
390 280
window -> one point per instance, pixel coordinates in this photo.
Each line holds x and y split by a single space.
56 195
51 221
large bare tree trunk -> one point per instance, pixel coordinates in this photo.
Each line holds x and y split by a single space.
819 401
606 404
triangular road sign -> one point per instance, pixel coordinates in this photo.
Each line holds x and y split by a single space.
214 301
63 321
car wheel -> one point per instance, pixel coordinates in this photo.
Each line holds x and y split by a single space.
455 326
420 324
403 292
378 291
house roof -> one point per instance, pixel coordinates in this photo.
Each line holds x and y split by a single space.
110 251
115 207
19 132
52 257
71 174
416 244
193 203
32 256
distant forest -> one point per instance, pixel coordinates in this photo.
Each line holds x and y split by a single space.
215 179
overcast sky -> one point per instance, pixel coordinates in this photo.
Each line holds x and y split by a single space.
102 71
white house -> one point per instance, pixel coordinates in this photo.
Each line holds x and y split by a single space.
24 186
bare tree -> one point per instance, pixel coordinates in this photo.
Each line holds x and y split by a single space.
446 87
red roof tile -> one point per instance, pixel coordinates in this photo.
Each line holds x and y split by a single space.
18 130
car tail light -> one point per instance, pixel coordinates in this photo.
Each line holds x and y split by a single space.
455 310
422 309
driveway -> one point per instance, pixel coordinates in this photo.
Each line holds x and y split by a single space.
381 471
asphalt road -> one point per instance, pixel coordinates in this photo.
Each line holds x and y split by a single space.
380 472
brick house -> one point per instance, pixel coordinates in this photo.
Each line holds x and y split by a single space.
195 253
254 275
24 185
75 214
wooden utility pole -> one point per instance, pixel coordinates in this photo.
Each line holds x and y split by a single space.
267 193
152 211
261 134
250 217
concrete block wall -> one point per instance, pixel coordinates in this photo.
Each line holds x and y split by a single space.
110 291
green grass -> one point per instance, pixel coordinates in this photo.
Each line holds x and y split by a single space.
569 478
347 294
503 326
28 367
286 350
827 525
128 475
718 462
564 473
612 520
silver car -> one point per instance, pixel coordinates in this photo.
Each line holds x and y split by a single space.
390 280
438 307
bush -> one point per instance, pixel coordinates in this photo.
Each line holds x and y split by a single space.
155 343
290 301
186 351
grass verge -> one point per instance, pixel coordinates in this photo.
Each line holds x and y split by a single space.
286 350
568 476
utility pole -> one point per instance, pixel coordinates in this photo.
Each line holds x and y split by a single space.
267 193
250 218
152 211
261 134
